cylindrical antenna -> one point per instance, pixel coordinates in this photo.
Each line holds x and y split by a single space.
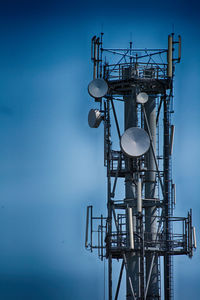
174 193
130 223
139 196
94 39
101 54
92 47
194 238
169 56
98 45
172 138
131 44
179 48
87 225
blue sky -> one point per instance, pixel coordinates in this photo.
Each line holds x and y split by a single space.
52 162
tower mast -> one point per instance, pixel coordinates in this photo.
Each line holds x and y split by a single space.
138 228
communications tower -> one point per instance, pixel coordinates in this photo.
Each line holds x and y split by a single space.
139 229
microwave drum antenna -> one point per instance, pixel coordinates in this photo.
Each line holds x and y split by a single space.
94 118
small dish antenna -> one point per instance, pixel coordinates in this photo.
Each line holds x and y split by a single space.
135 142
142 98
98 88
94 118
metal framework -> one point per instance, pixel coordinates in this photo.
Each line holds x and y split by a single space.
139 232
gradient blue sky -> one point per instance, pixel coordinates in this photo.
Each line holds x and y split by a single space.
51 162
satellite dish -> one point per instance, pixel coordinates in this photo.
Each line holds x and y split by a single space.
98 88
135 142
94 118
142 98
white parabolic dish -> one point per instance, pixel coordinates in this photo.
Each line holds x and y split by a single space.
142 98
135 142
98 88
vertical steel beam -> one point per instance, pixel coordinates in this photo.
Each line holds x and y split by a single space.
109 205
142 255
119 281
167 259
130 282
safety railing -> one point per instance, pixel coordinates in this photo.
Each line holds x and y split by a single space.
183 239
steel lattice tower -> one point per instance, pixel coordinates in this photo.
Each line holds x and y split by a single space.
140 229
